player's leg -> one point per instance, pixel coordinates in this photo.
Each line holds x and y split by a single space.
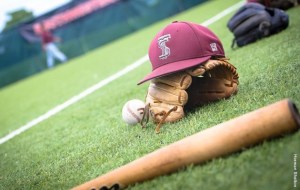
57 53
50 58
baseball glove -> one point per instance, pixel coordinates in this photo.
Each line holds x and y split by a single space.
170 96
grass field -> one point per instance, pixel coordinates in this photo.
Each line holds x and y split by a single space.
89 138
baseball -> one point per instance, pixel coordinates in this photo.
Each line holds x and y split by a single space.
132 111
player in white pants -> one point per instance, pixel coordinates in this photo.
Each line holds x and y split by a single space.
52 53
49 46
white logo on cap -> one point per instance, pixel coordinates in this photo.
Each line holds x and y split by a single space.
213 47
162 45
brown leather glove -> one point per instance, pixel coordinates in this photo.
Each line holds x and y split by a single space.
212 81
167 96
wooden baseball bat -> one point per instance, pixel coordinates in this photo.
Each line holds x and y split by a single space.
272 121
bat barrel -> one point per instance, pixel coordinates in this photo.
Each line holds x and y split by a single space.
272 121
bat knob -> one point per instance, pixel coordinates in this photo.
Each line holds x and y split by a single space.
295 112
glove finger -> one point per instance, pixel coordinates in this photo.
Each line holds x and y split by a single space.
196 71
167 94
179 80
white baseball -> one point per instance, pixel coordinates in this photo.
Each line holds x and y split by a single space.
132 111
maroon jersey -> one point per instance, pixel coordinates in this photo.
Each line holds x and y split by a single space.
47 37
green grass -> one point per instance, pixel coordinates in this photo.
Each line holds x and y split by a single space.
89 138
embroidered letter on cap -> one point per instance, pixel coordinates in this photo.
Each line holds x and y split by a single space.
213 47
162 45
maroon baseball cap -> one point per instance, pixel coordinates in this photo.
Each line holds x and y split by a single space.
181 45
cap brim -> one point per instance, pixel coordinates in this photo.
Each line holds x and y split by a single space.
174 67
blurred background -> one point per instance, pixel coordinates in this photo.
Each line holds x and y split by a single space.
83 25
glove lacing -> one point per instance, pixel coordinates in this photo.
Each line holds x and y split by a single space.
164 115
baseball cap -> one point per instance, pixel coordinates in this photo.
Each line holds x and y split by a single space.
179 46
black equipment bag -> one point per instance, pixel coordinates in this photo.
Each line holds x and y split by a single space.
254 21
